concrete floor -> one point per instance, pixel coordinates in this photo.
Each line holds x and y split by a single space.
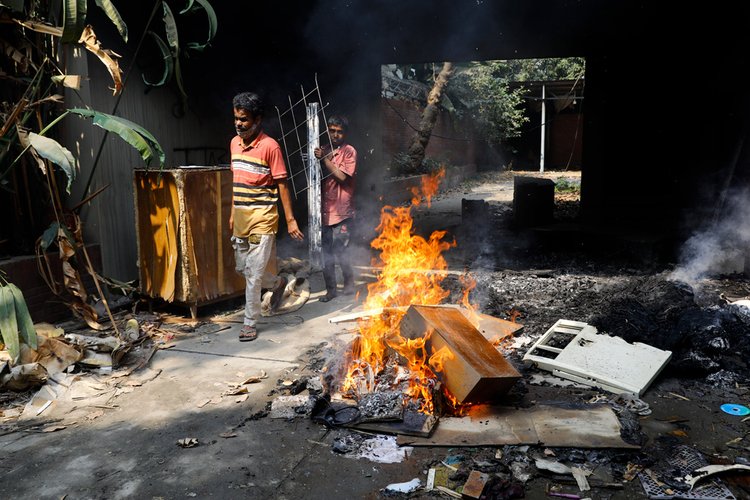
130 450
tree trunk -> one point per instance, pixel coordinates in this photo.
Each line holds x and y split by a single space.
429 117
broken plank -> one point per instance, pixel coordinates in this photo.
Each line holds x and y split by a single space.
343 318
354 316
492 328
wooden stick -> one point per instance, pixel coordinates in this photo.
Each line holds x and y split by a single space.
91 271
376 312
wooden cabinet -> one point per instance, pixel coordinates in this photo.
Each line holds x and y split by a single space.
182 226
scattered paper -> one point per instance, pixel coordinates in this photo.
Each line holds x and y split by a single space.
382 449
187 442
552 466
407 487
580 475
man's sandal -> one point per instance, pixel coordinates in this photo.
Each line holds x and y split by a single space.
248 333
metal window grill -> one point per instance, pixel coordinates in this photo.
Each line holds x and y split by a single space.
298 137
304 171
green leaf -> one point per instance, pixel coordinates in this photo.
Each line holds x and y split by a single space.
132 133
74 19
188 7
114 16
49 236
168 62
213 25
23 318
170 27
180 85
57 154
8 323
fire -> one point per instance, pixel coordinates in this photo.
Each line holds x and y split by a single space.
469 284
438 359
407 276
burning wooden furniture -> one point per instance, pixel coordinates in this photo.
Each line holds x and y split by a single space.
469 366
182 227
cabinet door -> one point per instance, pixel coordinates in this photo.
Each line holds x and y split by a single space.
156 219
207 249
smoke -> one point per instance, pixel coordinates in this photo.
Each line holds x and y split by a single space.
721 248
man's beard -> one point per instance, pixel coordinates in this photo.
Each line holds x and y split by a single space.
248 132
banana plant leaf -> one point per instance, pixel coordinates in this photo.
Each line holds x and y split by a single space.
108 7
49 236
213 24
74 20
168 62
170 27
51 150
23 318
70 81
189 7
132 133
8 323
106 56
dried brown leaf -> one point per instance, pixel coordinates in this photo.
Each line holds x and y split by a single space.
237 391
254 379
54 428
106 56
95 414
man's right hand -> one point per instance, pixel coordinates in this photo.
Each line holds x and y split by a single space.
294 231
318 153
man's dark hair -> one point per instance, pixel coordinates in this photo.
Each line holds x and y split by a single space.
250 102
340 121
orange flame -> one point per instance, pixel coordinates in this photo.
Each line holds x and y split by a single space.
438 359
406 277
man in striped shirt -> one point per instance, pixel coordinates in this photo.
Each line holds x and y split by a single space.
259 180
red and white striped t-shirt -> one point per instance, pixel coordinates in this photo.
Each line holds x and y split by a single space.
255 169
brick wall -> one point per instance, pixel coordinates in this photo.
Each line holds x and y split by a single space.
43 305
451 140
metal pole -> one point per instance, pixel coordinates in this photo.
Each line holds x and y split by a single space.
314 206
544 129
